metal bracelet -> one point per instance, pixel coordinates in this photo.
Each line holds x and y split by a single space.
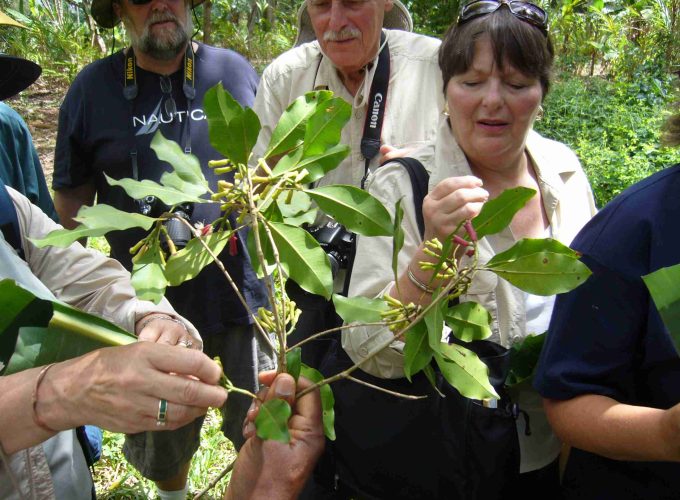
422 286
163 317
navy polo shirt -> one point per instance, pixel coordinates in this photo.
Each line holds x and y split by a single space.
607 338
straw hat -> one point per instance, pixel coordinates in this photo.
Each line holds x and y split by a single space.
396 19
103 15
5 19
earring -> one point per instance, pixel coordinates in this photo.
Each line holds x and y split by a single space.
540 113
446 109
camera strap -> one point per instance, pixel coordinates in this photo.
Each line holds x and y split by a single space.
370 141
131 90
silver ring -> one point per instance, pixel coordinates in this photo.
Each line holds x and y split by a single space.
185 343
162 413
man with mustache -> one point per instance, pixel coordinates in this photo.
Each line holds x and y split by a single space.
338 48
350 47
109 116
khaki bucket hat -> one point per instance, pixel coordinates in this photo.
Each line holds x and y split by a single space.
5 19
102 12
16 73
396 19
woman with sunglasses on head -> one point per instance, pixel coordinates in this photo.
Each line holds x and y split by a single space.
496 63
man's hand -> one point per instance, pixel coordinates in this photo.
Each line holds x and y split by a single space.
275 470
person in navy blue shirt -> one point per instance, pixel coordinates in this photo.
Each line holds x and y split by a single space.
106 124
609 371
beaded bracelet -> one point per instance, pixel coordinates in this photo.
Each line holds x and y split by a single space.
36 419
422 286
163 317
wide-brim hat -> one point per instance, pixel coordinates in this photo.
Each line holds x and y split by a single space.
5 19
16 74
398 18
103 15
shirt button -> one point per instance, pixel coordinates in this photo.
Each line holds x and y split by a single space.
516 339
363 351
358 113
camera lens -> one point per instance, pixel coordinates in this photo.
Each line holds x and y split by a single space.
178 232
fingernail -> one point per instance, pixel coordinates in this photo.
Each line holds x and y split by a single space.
249 429
284 387
253 407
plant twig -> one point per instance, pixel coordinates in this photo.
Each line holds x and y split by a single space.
382 389
226 274
215 480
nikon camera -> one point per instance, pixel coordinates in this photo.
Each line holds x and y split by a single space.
336 241
178 232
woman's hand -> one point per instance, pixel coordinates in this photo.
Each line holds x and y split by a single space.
162 328
452 201
120 388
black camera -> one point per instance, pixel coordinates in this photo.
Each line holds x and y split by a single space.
178 232
336 241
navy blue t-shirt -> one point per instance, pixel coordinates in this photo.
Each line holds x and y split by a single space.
607 338
98 129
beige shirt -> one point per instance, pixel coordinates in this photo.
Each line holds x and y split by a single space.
81 277
84 279
415 97
569 204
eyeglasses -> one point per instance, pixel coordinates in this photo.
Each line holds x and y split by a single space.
525 11
166 88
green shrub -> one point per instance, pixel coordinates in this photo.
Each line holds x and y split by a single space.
612 127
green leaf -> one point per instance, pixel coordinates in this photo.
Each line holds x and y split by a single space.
187 168
463 369
469 321
319 165
97 220
101 215
296 212
417 351
324 127
36 331
302 259
397 237
65 237
497 214
190 260
359 309
173 180
290 130
665 291
272 420
243 130
294 361
288 162
220 108
434 320
148 278
139 189
524 358
327 400
431 377
354 208
540 266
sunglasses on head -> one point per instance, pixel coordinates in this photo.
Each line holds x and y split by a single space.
525 11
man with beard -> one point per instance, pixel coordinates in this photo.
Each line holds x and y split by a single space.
108 118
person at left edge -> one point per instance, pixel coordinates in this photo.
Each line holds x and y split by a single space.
106 123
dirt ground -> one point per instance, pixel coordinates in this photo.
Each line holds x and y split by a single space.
39 107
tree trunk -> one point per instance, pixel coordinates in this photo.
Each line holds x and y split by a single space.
271 12
207 21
